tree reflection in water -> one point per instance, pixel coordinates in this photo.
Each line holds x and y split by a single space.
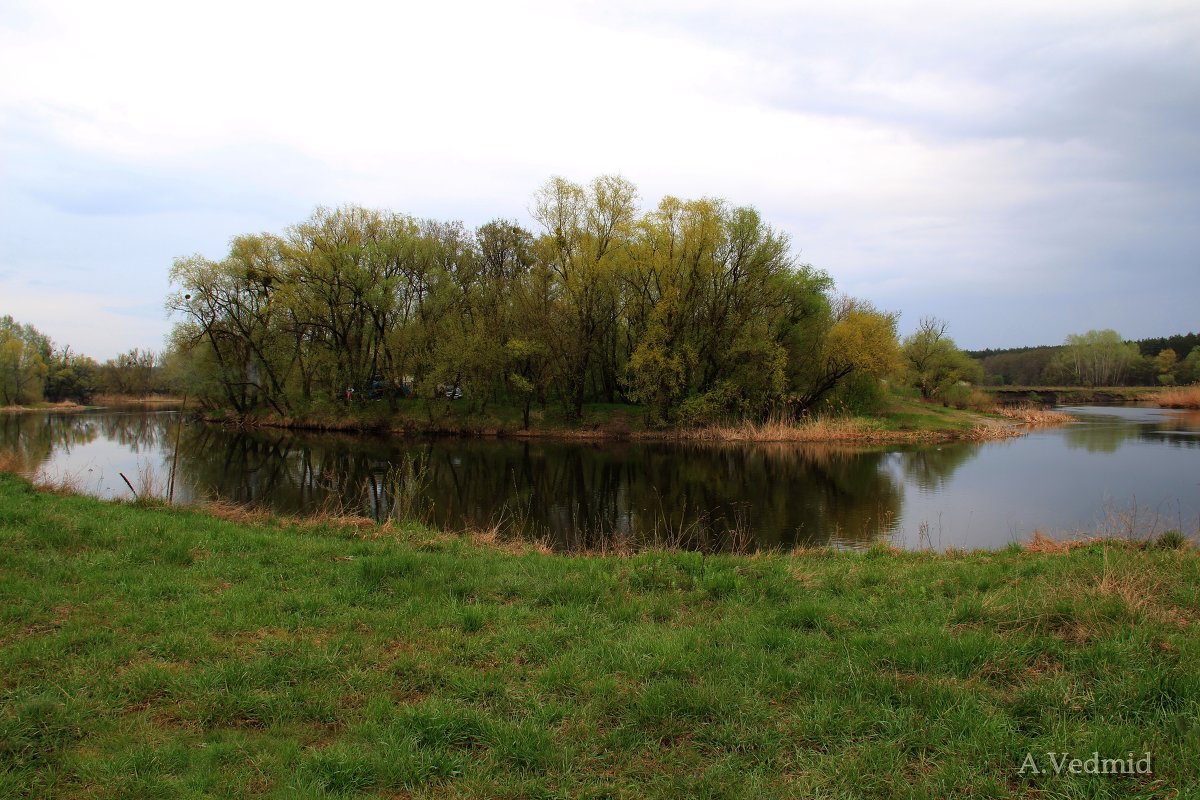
1106 433
623 495
576 496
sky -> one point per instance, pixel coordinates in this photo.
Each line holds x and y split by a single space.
1023 170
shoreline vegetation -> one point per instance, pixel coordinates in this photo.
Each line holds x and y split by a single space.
905 420
99 401
1186 397
150 650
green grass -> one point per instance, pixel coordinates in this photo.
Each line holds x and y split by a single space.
911 414
152 652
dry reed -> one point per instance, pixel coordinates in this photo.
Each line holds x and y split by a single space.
11 461
1183 397
1033 415
811 429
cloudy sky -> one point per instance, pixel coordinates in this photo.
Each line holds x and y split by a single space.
1023 169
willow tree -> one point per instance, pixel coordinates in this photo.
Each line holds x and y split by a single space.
932 361
707 285
228 312
585 231
853 340
24 353
1099 358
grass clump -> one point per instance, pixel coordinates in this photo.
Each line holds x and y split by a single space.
165 652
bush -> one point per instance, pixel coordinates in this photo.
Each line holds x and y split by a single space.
1172 540
716 405
962 395
858 394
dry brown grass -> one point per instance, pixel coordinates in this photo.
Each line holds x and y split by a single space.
1183 397
66 483
234 512
815 429
136 399
1033 415
11 461
494 539
1043 544
62 405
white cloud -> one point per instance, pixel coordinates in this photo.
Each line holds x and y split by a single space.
913 149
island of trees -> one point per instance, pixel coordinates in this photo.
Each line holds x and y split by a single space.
697 311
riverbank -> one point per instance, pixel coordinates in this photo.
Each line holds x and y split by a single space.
902 420
149 651
1075 395
146 402
63 407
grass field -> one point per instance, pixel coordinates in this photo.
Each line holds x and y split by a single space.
154 652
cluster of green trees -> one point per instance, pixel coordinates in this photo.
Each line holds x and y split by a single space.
1097 358
696 309
33 369
24 351
933 363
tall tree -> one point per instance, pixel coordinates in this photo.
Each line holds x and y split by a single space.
1099 358
584 232
24 351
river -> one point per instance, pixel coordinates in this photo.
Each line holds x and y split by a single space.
1121 471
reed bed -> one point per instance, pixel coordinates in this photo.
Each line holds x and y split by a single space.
1033 415
1183 397
855 430
812 429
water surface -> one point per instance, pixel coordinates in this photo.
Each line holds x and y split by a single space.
1116 471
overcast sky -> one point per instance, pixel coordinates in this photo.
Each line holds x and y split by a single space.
1023 169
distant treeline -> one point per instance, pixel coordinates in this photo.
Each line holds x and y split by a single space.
33 369
1166 360
696 309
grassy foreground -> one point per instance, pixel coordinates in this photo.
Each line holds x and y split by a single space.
152 652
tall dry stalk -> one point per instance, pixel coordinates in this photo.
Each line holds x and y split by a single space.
175 454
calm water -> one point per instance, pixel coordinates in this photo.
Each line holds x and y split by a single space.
1117 470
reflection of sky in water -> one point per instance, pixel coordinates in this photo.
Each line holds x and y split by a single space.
1088 477
1119 467
96 467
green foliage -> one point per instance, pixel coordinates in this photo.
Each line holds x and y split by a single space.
71 377
934 365
695 303
860 394
1099 358
831 344
1172 540
1055 365
721 403
24 351
1189 368
136 372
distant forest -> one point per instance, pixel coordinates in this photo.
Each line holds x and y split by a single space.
1166 360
